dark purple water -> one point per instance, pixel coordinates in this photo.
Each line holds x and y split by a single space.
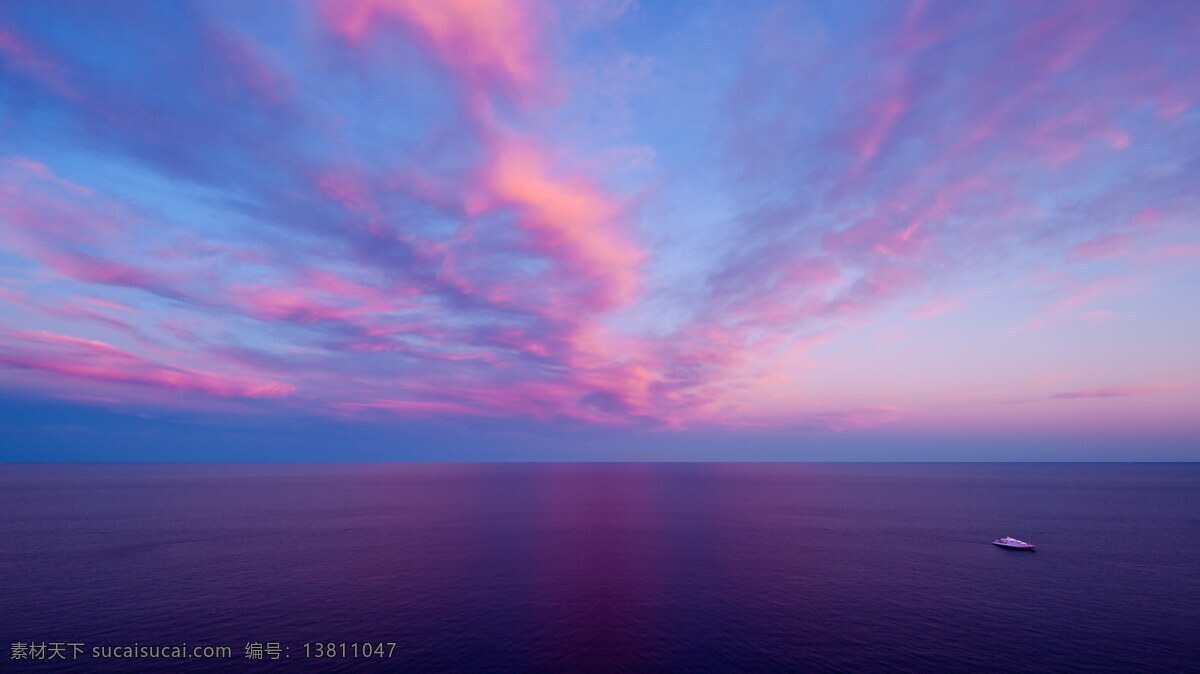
610 567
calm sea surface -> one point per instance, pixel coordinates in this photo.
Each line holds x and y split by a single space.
609 567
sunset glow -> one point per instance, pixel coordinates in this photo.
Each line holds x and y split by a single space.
601 228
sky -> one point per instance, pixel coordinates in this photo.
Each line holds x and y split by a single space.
510 230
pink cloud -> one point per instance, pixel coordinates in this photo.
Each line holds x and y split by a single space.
85 267
576 228
935 307
879 235
248 63
272 303
94 360
58 223
1179 251
109 304
871 137
489 43
571 221
1104 247
1061 38
408 407
1082 295
35 64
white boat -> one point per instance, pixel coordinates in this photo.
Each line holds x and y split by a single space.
1010 542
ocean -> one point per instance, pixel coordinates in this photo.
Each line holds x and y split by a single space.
601 567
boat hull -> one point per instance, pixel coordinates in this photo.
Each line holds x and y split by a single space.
1014 547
